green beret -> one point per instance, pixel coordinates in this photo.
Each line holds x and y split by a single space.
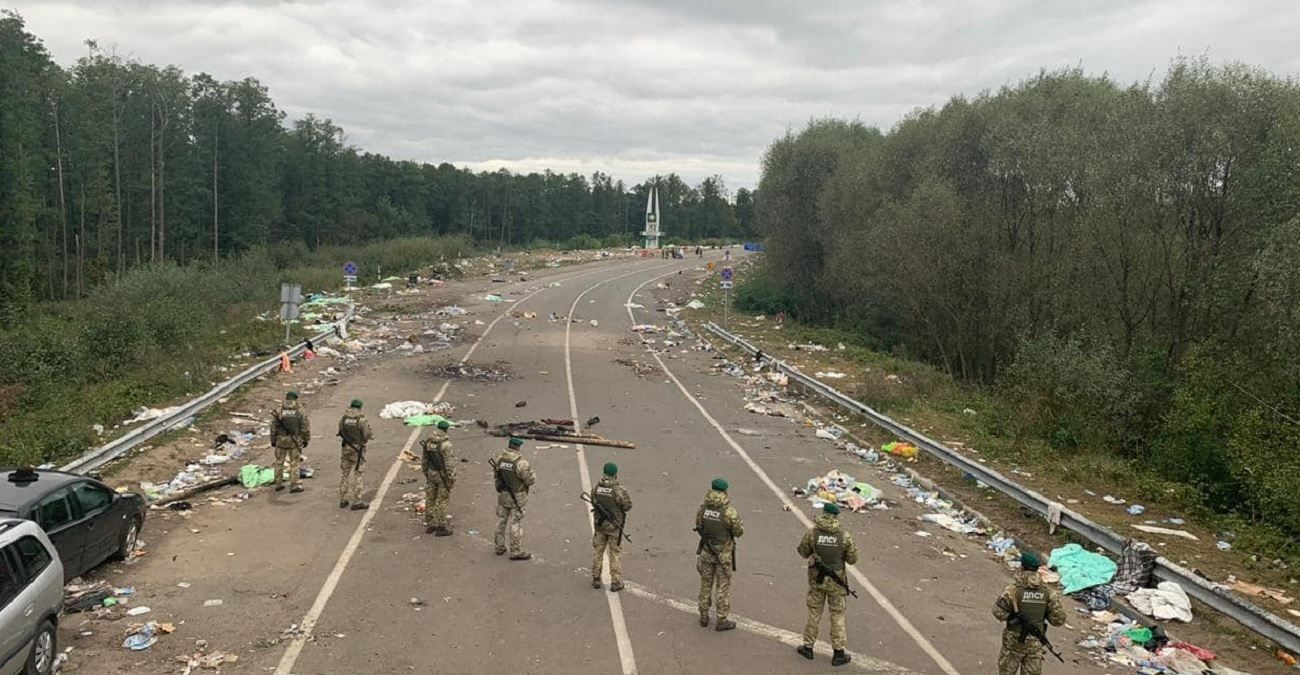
1029 562
611 469
831 509
356 403
444 425
292 396
720 484
516 442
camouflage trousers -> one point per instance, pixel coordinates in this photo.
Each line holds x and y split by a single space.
436 495
351 470
715 585
1025 658
510 530
600 542
818 598
293 456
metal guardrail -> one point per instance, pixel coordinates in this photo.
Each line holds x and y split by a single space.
123 444
1251 616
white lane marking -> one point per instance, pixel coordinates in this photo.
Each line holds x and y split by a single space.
313 615
621 637
785 637
861 578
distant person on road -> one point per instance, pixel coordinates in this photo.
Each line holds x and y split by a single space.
726 253
290 433
718 525
439 464
611 504
355 433
514 478
829 551
1025 605
699 252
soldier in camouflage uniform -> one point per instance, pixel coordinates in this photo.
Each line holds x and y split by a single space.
609 498
438 462
355 432
290 433
1026 599
826 542
514 477
719 526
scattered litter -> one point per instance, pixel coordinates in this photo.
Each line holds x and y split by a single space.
841 489
901 449
1112 500
457 371
948 522
141 637
1223 545
138 611
1152 529
452 310
493 297
638 367
216 602
184 584
695 304
922 533
830 374
146 414
1136 509
1247 588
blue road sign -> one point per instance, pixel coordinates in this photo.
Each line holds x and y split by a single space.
349 269
727 273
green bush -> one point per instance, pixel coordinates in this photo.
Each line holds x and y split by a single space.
158 333
1066 392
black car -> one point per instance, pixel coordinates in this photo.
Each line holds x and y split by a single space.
87 521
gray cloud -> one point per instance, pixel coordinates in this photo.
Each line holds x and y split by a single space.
637 87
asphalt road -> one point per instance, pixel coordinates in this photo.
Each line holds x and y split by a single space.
347 580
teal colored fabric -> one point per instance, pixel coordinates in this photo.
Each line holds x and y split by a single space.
1080 569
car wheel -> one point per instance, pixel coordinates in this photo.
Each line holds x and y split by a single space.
129 539
44 648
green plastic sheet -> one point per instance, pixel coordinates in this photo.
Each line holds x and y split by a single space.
425 420
252 475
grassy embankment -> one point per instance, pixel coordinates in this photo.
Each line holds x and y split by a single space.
161 333
983 422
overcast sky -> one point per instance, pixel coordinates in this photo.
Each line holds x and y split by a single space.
638 87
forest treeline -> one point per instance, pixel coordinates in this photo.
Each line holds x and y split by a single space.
111 163
1122 263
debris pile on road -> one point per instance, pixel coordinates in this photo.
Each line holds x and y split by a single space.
556 431
639 367
843 490
459 371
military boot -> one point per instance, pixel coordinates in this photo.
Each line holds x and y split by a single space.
343 504
704 618
521 556
839 658
805 651
616 587
595 582
360 506
442 531
724 624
